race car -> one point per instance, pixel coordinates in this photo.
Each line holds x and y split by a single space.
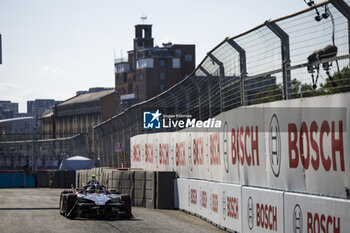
95 200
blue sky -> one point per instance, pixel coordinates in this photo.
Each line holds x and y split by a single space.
52 48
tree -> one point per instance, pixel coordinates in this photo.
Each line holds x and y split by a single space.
270 94
338 83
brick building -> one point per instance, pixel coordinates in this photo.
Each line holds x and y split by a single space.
148 71
77 115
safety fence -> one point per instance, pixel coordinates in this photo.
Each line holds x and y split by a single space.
34 153
296 56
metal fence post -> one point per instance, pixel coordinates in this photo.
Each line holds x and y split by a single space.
199 97
176 101
187 97
209 87
221 75
344 9
242 67
285 56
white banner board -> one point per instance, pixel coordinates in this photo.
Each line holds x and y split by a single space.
231 209
296 145
307 213
262 210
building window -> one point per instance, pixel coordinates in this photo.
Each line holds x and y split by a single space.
162 63
188 57
176 63
140 76
162 75
144 63
161 87
178 52
125 77
140 90
122 68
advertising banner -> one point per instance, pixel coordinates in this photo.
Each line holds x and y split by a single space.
203 200
296 145
136 152
181 154
262 210
215 203
192 196
231 209
307 213
149 153
247 147
182 193
164 142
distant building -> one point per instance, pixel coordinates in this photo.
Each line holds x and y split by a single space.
93 90
17 128
77 115
37 107
148 71
47 124
8 109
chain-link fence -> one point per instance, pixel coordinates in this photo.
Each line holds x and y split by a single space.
300 55
34 153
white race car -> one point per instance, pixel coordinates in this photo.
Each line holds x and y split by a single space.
95 200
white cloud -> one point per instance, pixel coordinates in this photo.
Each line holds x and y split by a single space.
7 86
50 71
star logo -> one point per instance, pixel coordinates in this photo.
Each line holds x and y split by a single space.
151 120
156 115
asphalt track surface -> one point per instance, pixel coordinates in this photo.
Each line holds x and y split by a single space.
36 210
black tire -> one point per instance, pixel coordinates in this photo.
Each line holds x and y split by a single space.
127 205
71 200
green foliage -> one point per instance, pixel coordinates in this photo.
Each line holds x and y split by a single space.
272 93
338 83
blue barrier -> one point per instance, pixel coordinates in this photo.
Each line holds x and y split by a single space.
17 180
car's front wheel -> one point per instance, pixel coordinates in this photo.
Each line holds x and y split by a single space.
71 201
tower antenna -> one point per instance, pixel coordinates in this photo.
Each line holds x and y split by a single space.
143 18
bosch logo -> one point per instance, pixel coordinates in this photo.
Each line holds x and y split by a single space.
275 145
224 211
226 147
250 213
297 219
